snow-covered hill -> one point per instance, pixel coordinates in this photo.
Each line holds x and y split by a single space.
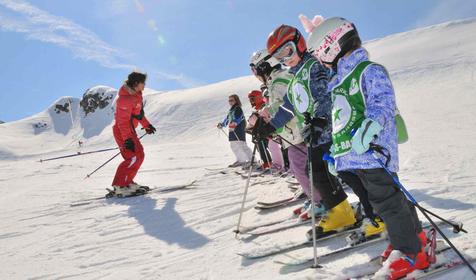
187 234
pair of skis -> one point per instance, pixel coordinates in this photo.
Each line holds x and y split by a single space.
273 227
243 175
276 250
296 198
442 265
281 249
152 190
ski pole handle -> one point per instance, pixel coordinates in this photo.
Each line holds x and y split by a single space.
327 157
307 118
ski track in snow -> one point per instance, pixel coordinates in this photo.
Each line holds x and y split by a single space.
187 234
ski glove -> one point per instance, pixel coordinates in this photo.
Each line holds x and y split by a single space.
364 135
129 144
317 124
331 164
263 129
331 167
219 125
150 129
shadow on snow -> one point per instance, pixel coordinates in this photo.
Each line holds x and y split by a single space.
165 223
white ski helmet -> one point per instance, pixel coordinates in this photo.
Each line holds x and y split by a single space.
262 64
258 56
261 56
332 39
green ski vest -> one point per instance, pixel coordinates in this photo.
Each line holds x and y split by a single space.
299 92
348 111
274 109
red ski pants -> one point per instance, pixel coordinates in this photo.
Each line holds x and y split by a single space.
127 170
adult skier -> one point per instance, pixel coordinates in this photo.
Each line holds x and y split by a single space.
307 94
235 121
129 113
268 70
363 114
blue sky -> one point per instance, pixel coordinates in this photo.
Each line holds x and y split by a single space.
54 48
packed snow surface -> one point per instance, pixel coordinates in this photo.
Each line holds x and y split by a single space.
187 234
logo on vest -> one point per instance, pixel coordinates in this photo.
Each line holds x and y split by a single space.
301 98
305 74
340 113
354 87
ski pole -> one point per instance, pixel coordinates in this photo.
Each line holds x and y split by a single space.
236 135
221 129
237 231
457 227
102 165
78 154
373 148
292 145
311 181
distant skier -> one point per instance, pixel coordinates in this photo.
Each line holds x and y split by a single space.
235 120
363 113
129 113
258 102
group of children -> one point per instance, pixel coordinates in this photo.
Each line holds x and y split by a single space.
326 97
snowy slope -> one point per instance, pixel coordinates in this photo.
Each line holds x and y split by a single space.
187 234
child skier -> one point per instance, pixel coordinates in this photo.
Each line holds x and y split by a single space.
258 102
363 113
235 121
372 224
307 94
129 113
268 70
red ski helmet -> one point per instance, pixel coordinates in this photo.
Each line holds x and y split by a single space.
284 34
256 98
255 93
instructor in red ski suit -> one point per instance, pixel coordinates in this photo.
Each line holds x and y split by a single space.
129 113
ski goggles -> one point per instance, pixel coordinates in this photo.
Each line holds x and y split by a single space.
285 52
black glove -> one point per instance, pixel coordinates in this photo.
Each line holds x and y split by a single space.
140 116
219 125
262 129
317 124
150 129
129 144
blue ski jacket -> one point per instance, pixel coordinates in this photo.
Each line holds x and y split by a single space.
235 115
379 106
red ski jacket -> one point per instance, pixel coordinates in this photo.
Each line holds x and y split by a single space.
129 112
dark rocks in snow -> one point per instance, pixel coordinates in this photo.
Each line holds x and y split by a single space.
39 125
62 108
93 100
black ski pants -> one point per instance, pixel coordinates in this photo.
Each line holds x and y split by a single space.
328 186
398 213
